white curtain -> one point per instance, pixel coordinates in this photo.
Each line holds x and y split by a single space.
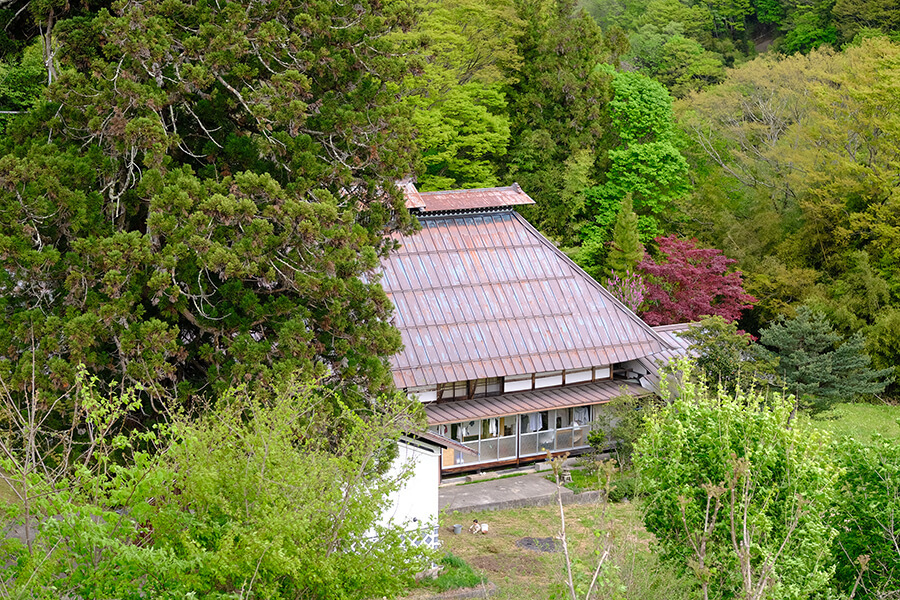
582 416
534 422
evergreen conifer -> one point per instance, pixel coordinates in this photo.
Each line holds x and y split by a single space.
818 365
627 250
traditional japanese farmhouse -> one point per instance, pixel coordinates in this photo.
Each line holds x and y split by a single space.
510 345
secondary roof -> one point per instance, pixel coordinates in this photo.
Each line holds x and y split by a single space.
458 200
440 413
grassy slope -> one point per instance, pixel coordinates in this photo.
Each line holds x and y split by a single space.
522 574
861 421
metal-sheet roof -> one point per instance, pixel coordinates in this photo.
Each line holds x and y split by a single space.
450 200
486 295
443 442
440 413
678 348
413 199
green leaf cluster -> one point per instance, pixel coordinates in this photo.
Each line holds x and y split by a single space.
726 356
268 496
22 81
866 544
679 62
626 251
642 159
774 482
461 51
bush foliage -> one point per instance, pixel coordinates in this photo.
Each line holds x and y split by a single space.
739 494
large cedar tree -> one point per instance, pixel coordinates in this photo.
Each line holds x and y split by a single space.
204 197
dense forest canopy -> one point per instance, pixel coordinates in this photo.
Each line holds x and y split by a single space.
198 193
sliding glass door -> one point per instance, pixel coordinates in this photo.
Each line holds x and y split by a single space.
527 435
554 430
493 439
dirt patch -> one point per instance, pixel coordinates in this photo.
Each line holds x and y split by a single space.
547 544
506 563
762 42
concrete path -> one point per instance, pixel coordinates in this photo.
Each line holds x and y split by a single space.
531 489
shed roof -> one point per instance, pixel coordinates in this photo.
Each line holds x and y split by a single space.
516 403
441 441
452 200
486 295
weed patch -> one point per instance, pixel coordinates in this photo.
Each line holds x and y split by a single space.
456 574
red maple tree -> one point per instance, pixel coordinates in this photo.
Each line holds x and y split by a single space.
688 282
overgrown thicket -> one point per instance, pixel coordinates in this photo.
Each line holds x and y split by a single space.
276 495
754 503
738 495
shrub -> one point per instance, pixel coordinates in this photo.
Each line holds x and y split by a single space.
738 493
456 574
867 547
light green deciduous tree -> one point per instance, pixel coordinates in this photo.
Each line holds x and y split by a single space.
738 494
264 497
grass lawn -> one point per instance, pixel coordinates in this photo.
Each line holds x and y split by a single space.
860 421
582 480
456 574
525 574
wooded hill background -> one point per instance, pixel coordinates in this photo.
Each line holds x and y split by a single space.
195 193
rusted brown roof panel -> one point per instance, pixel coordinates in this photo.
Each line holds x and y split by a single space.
440 413
413 198
487 289
450 200
443 442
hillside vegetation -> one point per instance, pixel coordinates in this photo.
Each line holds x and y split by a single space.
195 197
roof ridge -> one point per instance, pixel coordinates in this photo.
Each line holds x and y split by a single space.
469 199
500 188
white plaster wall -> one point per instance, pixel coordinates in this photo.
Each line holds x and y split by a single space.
552 381
517 386
578 376
415 504
601 373
425 396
